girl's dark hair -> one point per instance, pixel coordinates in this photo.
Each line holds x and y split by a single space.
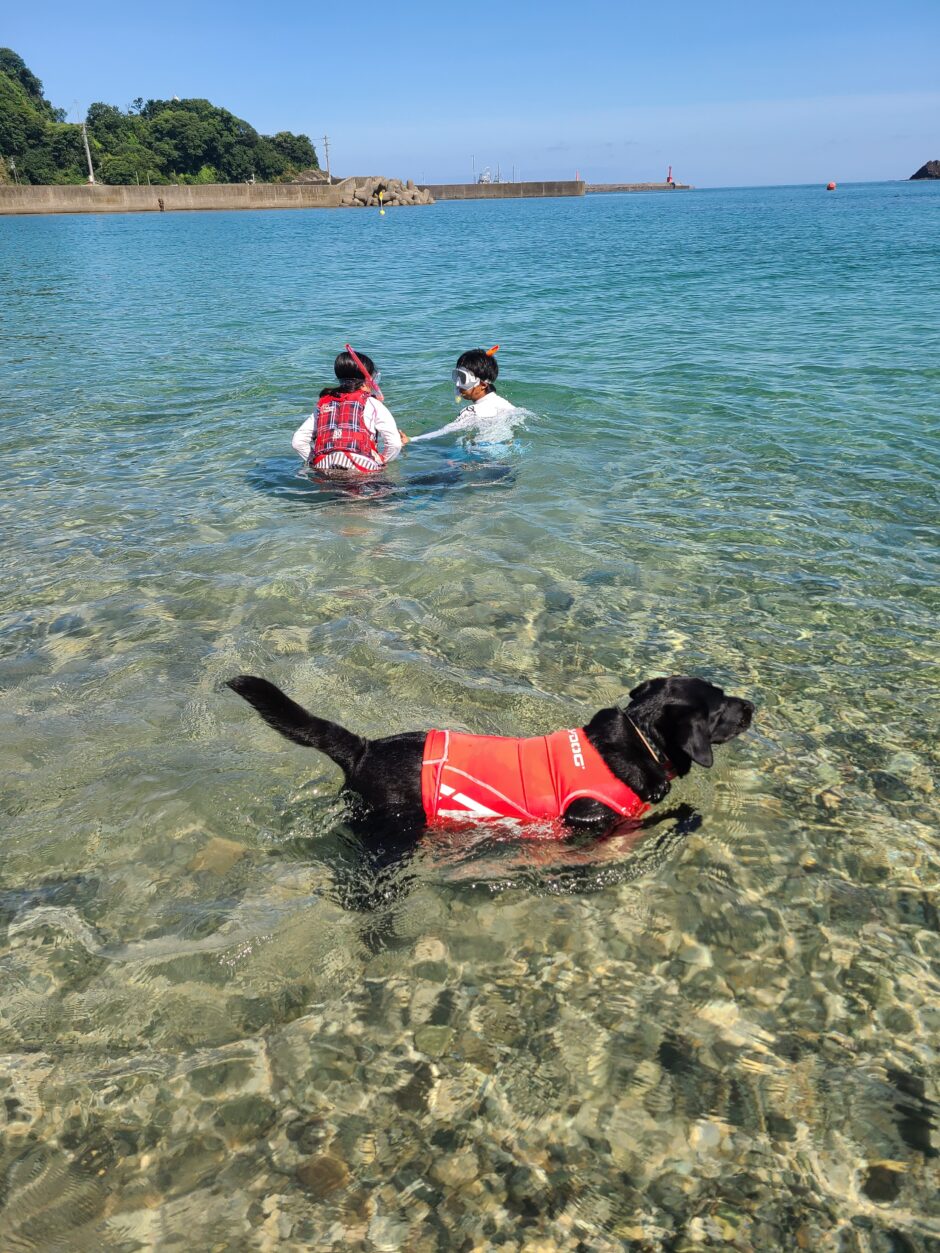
485 368
349 374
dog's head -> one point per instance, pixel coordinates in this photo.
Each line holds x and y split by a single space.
687 716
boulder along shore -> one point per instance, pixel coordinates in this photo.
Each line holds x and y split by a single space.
365 191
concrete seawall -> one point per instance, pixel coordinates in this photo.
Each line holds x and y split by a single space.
595 189
501 191
172 198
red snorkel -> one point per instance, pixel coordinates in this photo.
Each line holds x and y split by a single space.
370 382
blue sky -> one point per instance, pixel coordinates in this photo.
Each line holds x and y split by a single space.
728 93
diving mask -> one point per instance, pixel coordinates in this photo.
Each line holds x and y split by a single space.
465 380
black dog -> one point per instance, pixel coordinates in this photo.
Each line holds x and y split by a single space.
668 725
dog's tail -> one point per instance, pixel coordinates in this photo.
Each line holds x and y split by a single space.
294 722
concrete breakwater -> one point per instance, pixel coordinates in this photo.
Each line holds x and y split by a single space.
354 192
594 189
371 190
104 198
501 191
509 191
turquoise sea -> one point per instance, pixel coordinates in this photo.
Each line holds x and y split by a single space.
714 1038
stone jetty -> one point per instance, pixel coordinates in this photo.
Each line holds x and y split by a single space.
594 189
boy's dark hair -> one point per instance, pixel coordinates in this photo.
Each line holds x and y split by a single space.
485 368
348 373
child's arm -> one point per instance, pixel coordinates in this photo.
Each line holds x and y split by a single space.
467 418
385 426
303 437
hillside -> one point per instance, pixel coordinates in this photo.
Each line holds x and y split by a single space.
156 141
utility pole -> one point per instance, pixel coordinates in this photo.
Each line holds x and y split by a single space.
91 172
473 168
326 155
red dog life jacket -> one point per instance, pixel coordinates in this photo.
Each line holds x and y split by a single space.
341 428
481 777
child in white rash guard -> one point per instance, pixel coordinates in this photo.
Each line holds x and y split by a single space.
474 376
342 435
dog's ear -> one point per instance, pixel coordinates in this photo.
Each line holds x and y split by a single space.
647 688
692 738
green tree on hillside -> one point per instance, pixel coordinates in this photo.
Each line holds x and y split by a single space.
297 150
44 148
15 67
158 141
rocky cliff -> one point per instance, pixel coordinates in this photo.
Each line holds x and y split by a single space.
930 170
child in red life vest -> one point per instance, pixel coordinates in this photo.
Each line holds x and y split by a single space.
342 434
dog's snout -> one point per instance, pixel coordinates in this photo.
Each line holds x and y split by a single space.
747 711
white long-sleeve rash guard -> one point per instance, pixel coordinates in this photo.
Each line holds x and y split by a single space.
488 416
379 423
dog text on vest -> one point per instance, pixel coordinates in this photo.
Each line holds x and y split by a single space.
577 755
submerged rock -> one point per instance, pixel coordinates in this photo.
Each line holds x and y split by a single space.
322 1175
457 1169
219 856
883 1181
434 1040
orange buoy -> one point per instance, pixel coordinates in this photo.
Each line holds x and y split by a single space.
830 187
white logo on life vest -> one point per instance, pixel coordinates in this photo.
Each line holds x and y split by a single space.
577 756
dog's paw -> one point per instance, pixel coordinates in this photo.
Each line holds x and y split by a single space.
658 792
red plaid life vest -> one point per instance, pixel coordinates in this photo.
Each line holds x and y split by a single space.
482 777
341 428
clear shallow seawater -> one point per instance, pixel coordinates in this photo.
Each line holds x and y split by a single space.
725 1038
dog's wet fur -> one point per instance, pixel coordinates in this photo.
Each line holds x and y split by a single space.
681 718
